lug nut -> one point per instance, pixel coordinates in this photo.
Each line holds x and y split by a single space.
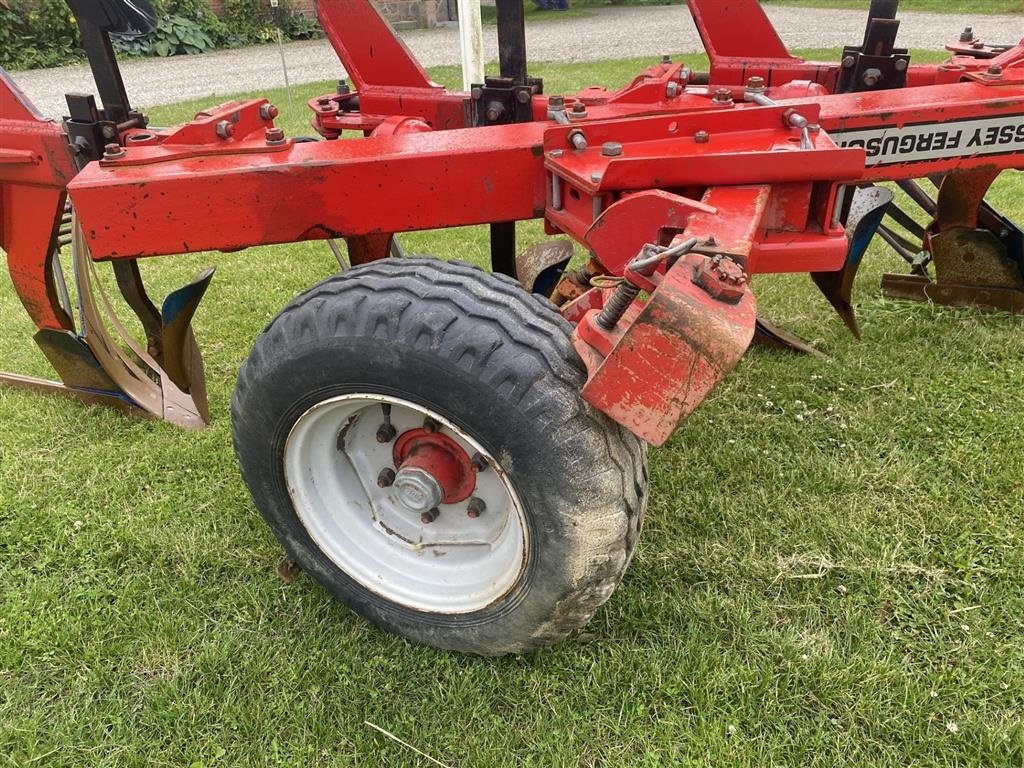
268 111
386 477
430 516
113 151
386 433
431 426
225 129
479 462
475 507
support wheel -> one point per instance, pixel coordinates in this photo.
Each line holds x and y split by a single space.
414 435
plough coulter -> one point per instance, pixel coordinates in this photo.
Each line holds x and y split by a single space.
460 455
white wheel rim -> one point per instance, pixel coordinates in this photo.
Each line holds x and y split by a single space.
455 564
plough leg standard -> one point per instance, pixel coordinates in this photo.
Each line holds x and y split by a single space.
457 455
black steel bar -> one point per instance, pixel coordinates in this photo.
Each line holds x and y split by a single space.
512 40
105 71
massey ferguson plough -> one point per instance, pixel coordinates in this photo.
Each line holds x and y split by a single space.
460 455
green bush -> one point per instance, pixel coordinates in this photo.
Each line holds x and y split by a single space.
43 33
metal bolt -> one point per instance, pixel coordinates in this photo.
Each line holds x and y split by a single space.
611 149
967 35
430 515
554 154
386 477
577 139
596 178
475 507
343 87
523 96
225 129
701 137
385 433
900 65
431 426
477 93
268 111
755 83
871 77
495 110
666 59
479 462
324 103
671 89
556 102
995 70
579 110
979 45
275 136
722 96
848 61
112 151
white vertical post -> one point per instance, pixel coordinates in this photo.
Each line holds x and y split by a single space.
471 42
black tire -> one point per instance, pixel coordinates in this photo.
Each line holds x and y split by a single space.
405 328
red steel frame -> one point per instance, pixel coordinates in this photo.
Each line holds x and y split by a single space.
734 174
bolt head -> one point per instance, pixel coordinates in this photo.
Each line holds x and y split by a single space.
579 106
475 507
722 279
343 87
523 97
385 433
386 477
701 137
477 93
672 89
430 426
596 178
848 61
556 101
723 96
967 35
479 462
113 150
274 136
225 129
995 70
611 149
755 83
871 77
900 65
554 154
666 59
429 516
268 111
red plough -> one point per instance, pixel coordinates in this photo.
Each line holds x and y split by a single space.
459 457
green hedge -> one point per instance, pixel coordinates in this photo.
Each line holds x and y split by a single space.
43 33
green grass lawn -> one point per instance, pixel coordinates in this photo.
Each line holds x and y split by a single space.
832 571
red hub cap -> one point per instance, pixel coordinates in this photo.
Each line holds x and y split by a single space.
441 458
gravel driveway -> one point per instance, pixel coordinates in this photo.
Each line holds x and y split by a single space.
607 33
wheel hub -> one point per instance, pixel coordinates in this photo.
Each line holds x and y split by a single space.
432 469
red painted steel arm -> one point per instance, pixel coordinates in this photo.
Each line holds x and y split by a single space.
370 52
311 190
35 166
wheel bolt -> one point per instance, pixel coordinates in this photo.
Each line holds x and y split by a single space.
430 516
386 477
476 507
429 425
479 462
385 433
